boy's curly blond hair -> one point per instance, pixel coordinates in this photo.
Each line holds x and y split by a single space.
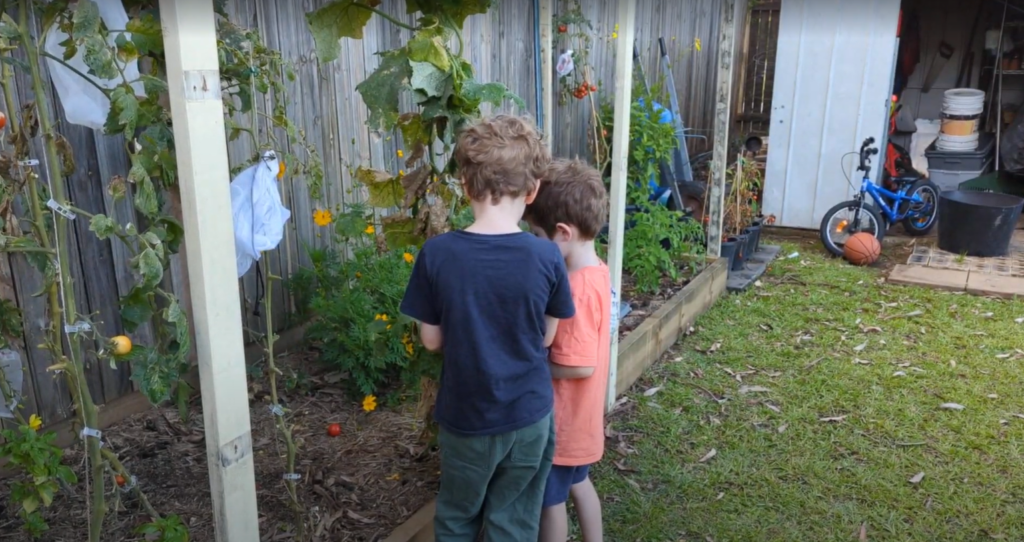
501 156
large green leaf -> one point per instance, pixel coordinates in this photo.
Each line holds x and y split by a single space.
147 35
380 91
103 226
147 264
99 57
338 19
493 93
383 190
400 232
429 80
155 374
428 45
136 309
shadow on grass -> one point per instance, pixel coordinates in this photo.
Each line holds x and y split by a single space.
822 403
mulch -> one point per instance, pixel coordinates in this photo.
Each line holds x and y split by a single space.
644 305
356 487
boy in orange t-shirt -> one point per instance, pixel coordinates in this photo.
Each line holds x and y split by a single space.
570 209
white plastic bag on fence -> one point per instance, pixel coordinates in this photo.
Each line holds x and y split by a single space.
257 211
565 64
10 367
83 103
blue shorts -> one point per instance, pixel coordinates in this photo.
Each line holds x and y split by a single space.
560 479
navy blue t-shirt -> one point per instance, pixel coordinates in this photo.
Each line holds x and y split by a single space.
490 294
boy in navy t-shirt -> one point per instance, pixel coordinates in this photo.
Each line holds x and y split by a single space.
490 297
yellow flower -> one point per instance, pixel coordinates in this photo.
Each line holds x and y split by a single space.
616 27
382 317
280 170
615 35
401 173
408 257
394 477
322 217
369 229
400 153
35 422
359 275
696 44
407 341
389 326
369 403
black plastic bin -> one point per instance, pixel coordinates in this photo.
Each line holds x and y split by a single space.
977 223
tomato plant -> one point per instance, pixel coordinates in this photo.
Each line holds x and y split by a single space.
579 83
34 452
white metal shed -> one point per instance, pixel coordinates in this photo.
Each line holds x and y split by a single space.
833 83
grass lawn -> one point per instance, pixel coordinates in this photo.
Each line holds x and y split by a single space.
815 402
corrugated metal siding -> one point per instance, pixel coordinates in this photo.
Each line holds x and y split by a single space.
832 86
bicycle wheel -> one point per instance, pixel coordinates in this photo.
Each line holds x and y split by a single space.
921 216
838 225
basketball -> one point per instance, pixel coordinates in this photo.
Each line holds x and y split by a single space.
862 249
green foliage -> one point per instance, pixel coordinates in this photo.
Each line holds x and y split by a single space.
657 242
354 302
10 323
165 529
440 82
35 455
650 143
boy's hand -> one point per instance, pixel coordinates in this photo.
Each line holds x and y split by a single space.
431 337
565 372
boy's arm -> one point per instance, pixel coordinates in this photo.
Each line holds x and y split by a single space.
566 372
431 337
552 328
418 304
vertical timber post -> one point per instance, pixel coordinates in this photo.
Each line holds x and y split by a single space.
193 77
723 100
547 70
626 20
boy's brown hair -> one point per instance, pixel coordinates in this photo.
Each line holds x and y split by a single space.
571 193
501 156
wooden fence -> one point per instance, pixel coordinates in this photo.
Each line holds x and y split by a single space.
500 45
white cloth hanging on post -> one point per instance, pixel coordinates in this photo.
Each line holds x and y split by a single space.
84 104
257 211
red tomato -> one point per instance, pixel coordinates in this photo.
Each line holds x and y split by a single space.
333 430
562 29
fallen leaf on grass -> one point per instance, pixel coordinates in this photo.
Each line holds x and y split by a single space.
870 329
773 408
652 391
833 419
899 373
708 456
952 406
908 315
857 361
783 427
992 396
720 496
711 350
766 327
621 467
1019 320
633 483
753 389
860 347
1021 416
952 363
863 537
916 479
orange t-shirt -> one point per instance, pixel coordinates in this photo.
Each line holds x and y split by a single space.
583 341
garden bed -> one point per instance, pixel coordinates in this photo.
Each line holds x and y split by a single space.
643 305
356 487
641 347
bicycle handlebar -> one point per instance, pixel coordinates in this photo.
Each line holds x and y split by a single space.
866 153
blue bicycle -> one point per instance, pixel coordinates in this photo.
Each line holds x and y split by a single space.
908 198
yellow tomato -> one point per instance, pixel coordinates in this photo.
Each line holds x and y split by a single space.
121 345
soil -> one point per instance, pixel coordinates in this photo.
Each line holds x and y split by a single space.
356 487
644 305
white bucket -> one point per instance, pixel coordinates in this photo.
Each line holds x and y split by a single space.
963 102
957 143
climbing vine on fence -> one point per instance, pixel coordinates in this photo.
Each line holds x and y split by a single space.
36 213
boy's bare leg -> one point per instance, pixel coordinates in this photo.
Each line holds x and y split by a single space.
554 524
588 509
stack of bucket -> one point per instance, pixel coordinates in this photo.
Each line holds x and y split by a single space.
961 113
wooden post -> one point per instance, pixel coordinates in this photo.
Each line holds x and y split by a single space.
626 20
547 70
723 101
193 76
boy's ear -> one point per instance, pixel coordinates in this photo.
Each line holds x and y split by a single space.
566 230
532 194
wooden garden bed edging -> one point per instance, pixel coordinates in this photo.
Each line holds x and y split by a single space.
637 351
